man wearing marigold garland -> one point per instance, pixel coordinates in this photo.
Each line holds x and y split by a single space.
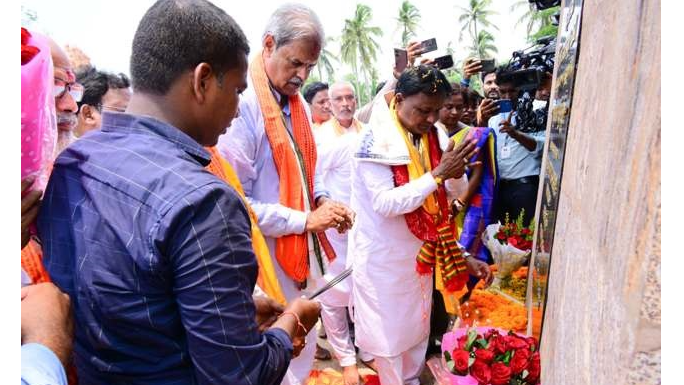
403 171
272 148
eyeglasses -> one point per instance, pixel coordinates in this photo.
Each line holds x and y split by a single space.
74 89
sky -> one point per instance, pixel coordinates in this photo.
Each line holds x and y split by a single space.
104 29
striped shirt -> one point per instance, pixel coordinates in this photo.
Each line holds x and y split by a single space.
155 253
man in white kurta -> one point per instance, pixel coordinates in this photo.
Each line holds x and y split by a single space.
391 300
246 146
335 140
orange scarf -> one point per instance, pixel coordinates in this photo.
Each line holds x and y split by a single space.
292 251
32 263
267 279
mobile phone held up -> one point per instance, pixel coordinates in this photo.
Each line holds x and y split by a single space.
505 106
400 59
428 45
487 65
444 62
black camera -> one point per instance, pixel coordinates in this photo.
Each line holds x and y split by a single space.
526 71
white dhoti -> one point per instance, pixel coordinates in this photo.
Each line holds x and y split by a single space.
404 368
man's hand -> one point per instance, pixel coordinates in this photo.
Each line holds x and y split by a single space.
330 214
267 311
30 204
46 319
304 311
471 66
480 270
413 51
454 160
506 127
486 109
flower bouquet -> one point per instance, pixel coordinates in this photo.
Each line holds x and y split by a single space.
487 356
510 245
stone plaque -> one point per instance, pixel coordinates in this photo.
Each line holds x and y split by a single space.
567 50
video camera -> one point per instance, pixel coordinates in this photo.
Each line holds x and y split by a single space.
526 71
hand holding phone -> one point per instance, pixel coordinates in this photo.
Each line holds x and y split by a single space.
471 67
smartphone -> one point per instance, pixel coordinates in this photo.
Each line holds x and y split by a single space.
487 65
444 62
505 105
428 45
400 59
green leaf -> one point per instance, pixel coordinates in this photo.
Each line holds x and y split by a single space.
472 335
451 365
447 356
471 361
507 357
525 373
483 343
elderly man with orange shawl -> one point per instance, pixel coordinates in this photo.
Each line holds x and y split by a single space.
272 148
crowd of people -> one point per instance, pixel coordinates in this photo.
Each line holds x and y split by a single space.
187 222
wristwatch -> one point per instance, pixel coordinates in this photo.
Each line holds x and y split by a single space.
439 180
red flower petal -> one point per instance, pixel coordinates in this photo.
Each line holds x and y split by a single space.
28 52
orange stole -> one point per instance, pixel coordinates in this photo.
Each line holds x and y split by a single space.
32 263
267 279
292 251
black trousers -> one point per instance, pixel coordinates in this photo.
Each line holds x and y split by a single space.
515 195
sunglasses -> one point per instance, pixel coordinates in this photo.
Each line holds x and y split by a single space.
62 88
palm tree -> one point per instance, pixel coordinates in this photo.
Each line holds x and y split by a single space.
483 46
358 47
477 12
325 61
408 20
541 20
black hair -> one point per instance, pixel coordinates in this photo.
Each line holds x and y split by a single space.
503 76
471 97
174 36
424 79
97 83
312 89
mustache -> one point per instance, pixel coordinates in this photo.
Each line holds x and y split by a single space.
296 81
67 118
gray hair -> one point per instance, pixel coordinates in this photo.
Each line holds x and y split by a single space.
339 84
294 22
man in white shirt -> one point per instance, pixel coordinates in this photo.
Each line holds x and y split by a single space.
273 151
335 140
401 178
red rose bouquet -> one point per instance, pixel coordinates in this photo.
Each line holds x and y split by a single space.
484 356
510 245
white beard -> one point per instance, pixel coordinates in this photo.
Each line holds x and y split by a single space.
64 139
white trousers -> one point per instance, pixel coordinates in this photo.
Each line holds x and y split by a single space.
404 368
337 329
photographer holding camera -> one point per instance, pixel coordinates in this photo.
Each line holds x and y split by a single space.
519 156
